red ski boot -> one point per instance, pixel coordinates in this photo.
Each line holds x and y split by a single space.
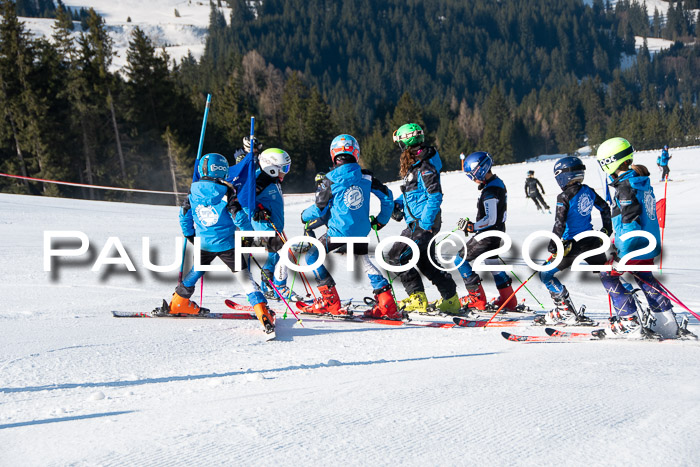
476 298
329 302
506 296
385 306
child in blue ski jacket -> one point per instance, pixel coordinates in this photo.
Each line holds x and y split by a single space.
212 213
492 209
662 162
343 199
634 209
419 204
274 164
573 216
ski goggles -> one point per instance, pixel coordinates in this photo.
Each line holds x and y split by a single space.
285 168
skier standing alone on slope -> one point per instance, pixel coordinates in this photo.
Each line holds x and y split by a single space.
420 204
662 163
634 210
273 165
532 191
343 199
212 213
572 216
491 215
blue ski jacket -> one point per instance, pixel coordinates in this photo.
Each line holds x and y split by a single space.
212 213
343 199
662 160
574 208
268 194
634 208
421 196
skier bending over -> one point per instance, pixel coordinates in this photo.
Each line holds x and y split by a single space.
273 165
212 213
634 209
491 215
532 191
343 199
572 216
420 204
662 162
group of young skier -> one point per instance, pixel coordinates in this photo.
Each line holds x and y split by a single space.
342 204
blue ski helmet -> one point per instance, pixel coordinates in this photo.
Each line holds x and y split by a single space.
666 147
569 169
345 144
476 165
213 166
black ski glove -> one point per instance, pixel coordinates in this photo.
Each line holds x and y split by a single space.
375 223
247 242
397 213
465 225
261 214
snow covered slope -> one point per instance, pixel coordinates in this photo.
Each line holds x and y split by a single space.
80 387
179 35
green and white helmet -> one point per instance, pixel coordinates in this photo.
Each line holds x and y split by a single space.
275 162
408 135
612 153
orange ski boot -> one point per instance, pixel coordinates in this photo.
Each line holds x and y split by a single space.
265 316
385 306
330 300
184 306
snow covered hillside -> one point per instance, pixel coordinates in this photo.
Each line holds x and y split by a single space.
81 387
179 35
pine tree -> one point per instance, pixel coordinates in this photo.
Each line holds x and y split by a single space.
498 127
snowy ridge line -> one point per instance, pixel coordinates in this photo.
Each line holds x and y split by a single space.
172 379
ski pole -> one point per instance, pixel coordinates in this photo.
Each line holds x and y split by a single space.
391 281
513 294
516 276
276 291
201 291
446 236
670 296
661 255
304 279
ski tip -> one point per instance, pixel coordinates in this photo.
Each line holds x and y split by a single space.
506 335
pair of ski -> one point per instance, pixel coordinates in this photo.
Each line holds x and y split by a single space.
555 335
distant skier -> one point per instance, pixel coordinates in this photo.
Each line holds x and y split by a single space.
242 152
492 207
662 163
572 216
419 204
343 199
273 165
634 209
532 191
212 213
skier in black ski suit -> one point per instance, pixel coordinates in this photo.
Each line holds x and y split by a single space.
533 192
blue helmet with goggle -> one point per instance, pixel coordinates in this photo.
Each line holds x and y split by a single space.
568 170
213 165
476 165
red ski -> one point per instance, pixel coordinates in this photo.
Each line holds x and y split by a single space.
480 323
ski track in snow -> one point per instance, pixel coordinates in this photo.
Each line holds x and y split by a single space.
80 387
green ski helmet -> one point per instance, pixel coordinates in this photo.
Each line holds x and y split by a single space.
612 153
410 134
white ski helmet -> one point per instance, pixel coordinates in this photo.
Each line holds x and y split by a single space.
275 162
